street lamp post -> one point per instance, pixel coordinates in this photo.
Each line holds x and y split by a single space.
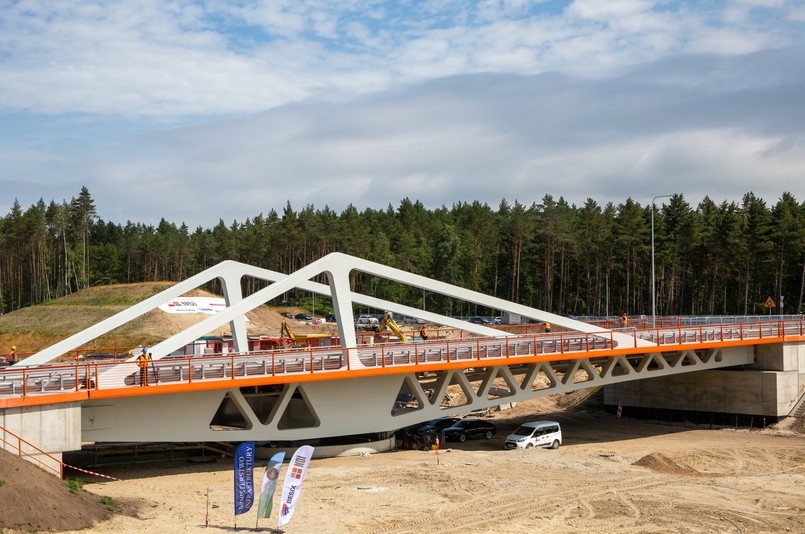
653 285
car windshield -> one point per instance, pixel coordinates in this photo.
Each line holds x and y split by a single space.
523 430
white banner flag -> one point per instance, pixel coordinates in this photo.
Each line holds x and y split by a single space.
293 482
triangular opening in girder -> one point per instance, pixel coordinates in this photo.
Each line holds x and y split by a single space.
711 355
451 399
262 400
299 413
653 362
671 358
578 372
409 398
498 391
617 366
543 377
229 416
689 358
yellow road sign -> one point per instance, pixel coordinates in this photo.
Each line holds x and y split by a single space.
769 303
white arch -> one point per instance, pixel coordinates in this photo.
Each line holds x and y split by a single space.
337 267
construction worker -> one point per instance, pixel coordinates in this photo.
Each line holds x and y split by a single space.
423 333
12 356
624 321
142 361
547 327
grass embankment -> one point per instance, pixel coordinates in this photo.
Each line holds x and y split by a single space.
34 328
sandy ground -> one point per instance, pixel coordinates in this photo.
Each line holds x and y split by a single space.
611 475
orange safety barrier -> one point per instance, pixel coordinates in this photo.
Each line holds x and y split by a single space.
18 448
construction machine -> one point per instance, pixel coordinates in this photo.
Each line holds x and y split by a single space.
300 340
389 323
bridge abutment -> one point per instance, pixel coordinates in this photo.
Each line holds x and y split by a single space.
54 429
770 387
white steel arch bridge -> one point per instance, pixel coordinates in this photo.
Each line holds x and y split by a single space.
287 395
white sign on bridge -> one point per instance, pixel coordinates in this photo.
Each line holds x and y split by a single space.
208 305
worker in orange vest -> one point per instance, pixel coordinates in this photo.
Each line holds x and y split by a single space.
142 361
624 321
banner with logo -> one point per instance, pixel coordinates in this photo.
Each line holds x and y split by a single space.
208 305
292 485
244 477
270 479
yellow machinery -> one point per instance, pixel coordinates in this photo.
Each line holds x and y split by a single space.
389 323
300 340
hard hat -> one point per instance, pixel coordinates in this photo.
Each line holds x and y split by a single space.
145 349
14 347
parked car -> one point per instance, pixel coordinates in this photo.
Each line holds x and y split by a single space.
330 318
480 320
535 434
437 425
367 319
287 315
303 317
469 429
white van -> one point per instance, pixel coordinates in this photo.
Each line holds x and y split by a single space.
535 434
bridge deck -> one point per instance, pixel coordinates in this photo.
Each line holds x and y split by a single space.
58 383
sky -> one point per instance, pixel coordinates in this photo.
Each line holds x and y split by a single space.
197 111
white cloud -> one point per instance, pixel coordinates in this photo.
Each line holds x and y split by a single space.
338 102
158 58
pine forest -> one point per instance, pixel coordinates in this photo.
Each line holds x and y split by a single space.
714 258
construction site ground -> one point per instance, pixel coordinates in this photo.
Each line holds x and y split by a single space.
611 475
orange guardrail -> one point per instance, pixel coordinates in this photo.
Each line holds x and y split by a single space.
18 448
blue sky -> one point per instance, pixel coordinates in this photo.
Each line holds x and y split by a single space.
197 111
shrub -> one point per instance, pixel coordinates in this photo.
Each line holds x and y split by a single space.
75 485
109 503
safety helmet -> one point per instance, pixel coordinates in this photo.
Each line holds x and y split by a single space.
13 347
145 350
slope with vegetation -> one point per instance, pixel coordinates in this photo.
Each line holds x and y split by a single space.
34 328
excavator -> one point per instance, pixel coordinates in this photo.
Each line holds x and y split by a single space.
300 340
389 323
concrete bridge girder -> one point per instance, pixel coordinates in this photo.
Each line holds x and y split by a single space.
371 404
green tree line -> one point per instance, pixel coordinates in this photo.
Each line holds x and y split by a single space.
591 259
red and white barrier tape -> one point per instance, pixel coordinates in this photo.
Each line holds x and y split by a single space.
92 472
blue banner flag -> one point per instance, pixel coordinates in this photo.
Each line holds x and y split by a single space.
244 477
270 485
